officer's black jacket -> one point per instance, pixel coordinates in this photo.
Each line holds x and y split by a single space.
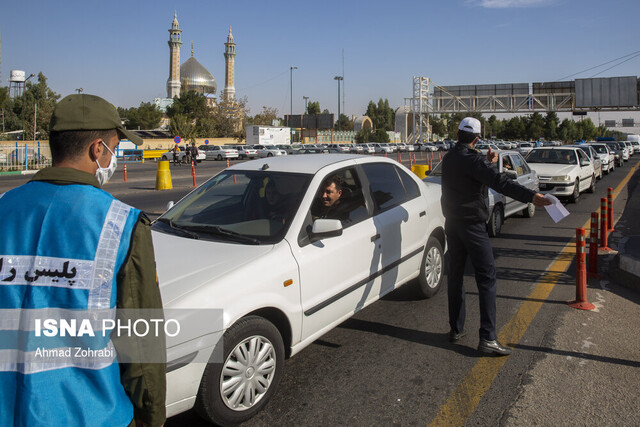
466 176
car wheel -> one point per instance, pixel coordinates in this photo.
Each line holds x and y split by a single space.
235 390
495 221
431 269
219 157
576 192
592 187
529 211
270 155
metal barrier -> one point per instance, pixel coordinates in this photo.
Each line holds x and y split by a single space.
18 156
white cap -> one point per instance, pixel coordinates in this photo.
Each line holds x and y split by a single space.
471 125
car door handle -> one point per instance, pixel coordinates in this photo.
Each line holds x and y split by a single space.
423 213
376 237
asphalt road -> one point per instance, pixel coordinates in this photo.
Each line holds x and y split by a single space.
392 362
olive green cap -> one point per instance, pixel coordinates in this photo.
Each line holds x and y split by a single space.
89 112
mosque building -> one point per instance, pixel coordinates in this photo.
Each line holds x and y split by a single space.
192 75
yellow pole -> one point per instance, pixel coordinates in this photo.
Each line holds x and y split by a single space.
163 176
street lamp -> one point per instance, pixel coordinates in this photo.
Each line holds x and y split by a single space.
291 112
79 90
306 110
338 78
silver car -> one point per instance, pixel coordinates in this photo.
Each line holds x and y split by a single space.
500 206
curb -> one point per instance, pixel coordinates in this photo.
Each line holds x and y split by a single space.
27 172
625 268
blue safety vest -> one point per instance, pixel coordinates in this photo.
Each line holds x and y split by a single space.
61 248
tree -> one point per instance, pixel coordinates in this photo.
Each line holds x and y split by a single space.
551 126
146 116
382 116
365 135
438 126
345 123
313 107
41 95
180 125
534 126
191 104
266 117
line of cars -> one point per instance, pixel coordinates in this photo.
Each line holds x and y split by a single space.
564 171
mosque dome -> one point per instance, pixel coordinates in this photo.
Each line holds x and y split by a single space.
193 76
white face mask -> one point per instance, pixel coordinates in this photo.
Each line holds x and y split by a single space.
104 174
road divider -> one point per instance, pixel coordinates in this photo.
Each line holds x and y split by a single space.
581 302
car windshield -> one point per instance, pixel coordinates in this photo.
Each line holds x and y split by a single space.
562 157
601 149
250 207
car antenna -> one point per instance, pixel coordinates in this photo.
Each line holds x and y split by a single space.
265 167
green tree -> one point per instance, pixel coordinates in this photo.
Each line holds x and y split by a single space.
180 125
567 130
382 115
345 123
515 128
534 126
146 116
438 126
37 101
551 126
191 104
313 107
588 129
266 117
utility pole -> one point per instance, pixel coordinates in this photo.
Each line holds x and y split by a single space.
291 110
306 109
338 78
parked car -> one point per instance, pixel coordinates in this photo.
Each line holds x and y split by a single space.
356 148
368 148
182 153
593 156
606 156
381 147
269 151
269 279
219 152
483 147
635 145
319 151
500 206
246 151
563 171
629 147
525 147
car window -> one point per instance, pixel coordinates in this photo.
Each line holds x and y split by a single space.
410 186
507 164
385 185
241 206
520 165
583 156
348 206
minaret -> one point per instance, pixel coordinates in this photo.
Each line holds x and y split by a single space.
173 83
229 92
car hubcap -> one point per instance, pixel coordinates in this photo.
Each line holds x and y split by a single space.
247 373
433 267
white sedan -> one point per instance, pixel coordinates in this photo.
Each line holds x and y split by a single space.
219 152
269 151
563 171
257 243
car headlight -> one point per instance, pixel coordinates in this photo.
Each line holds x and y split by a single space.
561 178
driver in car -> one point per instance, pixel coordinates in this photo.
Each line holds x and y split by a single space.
328 204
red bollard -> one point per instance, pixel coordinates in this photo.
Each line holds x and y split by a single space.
193 174
227 162
592 270
125 172
610 209
581 274
603 226
399 158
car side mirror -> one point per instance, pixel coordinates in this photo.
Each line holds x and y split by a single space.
169 205
323 228
511 174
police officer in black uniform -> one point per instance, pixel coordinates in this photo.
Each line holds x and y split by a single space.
466 176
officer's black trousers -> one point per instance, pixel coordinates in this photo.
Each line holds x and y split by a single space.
471 240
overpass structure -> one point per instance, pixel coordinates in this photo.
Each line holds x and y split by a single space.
577 96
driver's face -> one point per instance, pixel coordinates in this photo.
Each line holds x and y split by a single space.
329 195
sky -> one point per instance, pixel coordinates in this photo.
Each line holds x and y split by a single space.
118 49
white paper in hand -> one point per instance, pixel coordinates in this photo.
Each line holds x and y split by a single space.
556 211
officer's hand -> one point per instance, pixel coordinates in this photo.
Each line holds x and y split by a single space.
539 200
491 156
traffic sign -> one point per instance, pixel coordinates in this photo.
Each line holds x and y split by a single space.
206 142
177 139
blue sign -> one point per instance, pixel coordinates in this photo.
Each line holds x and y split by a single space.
206 142
177 139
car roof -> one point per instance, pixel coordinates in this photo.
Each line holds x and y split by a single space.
304 163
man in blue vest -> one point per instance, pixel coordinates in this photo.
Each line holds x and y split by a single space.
69 250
